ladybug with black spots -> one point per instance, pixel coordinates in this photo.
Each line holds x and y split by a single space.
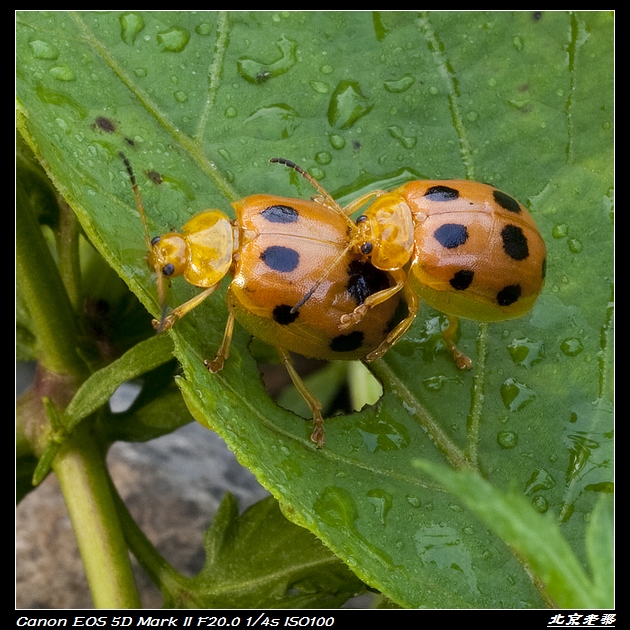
278 249
467 249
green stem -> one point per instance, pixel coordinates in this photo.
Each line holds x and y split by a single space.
167 579
45 295
85 483
80 464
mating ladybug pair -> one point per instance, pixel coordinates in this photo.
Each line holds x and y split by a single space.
309 279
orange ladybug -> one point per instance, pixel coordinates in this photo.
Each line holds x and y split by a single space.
276 250
466 249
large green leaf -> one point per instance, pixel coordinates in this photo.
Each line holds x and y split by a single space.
365 100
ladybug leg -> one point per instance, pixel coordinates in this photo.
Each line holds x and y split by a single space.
315 406
461 360
349 319
167 322
413 304
224 351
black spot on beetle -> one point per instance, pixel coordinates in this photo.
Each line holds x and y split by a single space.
451 235
508 295
282 315
347 343
278 258
280 214
441 193
544 269
364 279
514 242
506 202
462 279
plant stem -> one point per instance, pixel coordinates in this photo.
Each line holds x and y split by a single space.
80 464
40 283
171 583
85 484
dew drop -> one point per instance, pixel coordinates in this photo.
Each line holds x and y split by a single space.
435 383
43 50
256 71
579 454
540 504
519 103
181 97
413 501
338 142
275 122
205 28
539 480
526 352
516 395
62 124
517 43
231 112
173 40
397 133
401 85
572 347
323 157
507 439
575 245
62 73
336 507
379 435
320 87
347 105
560 230
130 26
382 502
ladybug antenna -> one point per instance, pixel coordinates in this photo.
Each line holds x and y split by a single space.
139 204
147 238
331 203
318 187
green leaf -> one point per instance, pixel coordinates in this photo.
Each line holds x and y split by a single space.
99 387
600 547
537 538
261 560
523 100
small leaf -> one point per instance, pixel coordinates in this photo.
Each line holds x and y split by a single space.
261 560
97 389
600 547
